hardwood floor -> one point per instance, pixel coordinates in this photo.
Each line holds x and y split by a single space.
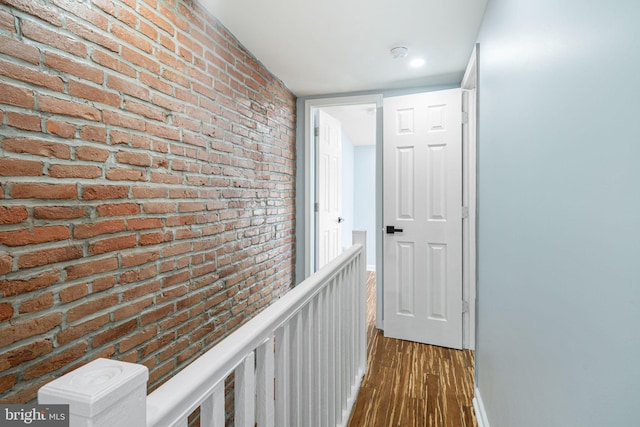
410 384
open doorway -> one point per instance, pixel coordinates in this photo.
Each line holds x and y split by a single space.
355 174
360 119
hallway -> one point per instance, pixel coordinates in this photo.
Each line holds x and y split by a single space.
411 384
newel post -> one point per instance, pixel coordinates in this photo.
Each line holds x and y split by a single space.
102 393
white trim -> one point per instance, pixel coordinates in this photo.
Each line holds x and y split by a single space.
469 87
309 167
371 268
481 413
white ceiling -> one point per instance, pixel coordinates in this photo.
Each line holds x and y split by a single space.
358 122
338 46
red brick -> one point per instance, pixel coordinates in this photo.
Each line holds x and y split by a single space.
93 133
74 171
103 283
41 11
50 256
56 39
125 174
58 212
137 291
91 154
13 214
128 87
56 362
34 236
83 231
31 75
17 287
77 271
18 49
160 22
156 314
73 292
113 62
114 333
83 329
145 110
138 275
102 192
39 303
43 191
26 328
6 311
118 209
89 33
149 192
91 306
15 167
63 129
68 66
12 95
156 82
7 21
37 147
133 158
132 309
132 260
121 120
93 93
112 244
137 339
25 353
132 37
143 223
24 121
68 108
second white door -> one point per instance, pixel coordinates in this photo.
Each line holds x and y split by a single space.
329 183
423 218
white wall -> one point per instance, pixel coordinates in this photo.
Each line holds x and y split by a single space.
365 197
559 226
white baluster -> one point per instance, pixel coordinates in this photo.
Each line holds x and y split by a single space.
283 365
265 374
245 392
212 409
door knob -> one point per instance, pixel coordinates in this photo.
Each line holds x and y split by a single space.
340 219
392 230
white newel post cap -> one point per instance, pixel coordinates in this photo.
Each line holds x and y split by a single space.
102 393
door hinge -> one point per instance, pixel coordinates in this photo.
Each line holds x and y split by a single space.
465 306
316 132
465 117
465 212
316 207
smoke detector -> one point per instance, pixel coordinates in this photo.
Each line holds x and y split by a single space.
399 52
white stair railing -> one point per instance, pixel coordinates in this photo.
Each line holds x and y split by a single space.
299 362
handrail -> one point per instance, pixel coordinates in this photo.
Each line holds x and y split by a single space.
189 387
300 360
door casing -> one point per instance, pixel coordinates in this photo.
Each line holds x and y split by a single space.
469 83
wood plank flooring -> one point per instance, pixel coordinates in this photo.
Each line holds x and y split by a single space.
410 384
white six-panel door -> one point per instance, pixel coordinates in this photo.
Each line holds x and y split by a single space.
329 188
423 197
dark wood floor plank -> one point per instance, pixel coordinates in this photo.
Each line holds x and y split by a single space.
412 384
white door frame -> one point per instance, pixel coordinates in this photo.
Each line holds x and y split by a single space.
310 173
469 199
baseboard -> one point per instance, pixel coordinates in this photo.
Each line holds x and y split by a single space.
478 407
371 268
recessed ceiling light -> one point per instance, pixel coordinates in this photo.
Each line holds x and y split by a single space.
418 62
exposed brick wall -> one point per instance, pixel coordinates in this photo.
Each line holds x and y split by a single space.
147 186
